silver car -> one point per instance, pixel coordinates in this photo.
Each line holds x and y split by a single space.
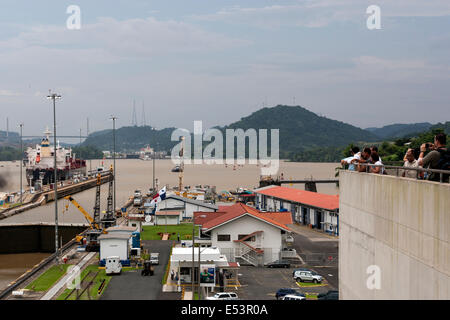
224 296
310 276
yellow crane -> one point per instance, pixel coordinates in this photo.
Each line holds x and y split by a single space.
95 228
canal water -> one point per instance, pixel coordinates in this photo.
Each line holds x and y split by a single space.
137 174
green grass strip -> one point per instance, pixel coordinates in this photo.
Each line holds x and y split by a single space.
48 278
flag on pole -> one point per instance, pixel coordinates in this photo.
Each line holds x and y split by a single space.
161 195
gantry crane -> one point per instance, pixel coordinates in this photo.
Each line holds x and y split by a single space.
93 233
109 219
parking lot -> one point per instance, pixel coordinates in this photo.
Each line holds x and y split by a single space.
263 283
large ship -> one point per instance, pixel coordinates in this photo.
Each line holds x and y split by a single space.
40 163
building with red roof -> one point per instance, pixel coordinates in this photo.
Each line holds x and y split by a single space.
317 210
245 234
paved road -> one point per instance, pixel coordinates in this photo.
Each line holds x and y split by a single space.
319 251
131 285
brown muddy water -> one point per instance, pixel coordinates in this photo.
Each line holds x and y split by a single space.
137 174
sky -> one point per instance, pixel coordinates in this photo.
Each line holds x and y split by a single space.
220 60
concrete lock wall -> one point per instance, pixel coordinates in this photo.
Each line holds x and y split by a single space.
34 238
399 228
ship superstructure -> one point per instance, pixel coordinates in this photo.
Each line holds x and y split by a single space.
40 163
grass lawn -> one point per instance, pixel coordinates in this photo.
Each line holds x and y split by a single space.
184 229
310 284
93 291
48 278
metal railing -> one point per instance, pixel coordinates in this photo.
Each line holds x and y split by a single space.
398 169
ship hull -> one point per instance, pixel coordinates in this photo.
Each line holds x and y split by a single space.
34 175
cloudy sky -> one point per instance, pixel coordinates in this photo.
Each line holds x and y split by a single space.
220 60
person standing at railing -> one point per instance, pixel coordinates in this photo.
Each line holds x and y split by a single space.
410 162
356 155
376 161
437 158
365 159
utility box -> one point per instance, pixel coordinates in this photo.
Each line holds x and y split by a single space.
113 265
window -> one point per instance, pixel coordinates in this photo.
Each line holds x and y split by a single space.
241 236
223 237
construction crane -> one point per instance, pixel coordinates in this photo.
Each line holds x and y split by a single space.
88 217
97 200
109 218
181 172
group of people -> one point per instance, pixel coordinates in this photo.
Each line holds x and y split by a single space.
359 160
438 157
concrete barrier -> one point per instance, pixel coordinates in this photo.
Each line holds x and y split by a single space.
394 237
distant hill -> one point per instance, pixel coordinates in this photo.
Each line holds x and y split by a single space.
130 139
445 126
399 130
13 138
301 129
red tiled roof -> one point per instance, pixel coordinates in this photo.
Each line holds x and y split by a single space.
201 217
318 200
281 217
234 211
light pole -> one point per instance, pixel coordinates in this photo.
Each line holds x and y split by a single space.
54 96
113 118
21 161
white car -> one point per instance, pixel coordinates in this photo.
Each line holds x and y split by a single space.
293 297
303 275
224 296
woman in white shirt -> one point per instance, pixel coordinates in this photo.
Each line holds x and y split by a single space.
376 161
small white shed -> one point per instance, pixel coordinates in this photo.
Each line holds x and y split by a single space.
115 244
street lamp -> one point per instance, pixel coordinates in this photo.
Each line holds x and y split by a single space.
54 97
113 118
21 161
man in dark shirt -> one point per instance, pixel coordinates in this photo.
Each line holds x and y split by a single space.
431 160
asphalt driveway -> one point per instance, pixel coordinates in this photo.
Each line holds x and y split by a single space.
130 285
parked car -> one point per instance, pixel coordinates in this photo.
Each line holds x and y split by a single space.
293 297
299 269
310 276
279 264
330 295
224 296
284 291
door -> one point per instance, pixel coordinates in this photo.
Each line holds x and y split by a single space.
304 216
319 217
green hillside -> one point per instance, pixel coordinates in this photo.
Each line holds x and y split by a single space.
301 129
399 130
130 139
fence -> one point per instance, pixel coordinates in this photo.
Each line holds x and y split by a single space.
443 174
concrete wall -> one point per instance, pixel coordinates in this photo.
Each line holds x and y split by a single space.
34 238
400 225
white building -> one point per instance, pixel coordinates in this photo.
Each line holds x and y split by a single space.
245 234
181 263
317 210
186 206
115 244
163 218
